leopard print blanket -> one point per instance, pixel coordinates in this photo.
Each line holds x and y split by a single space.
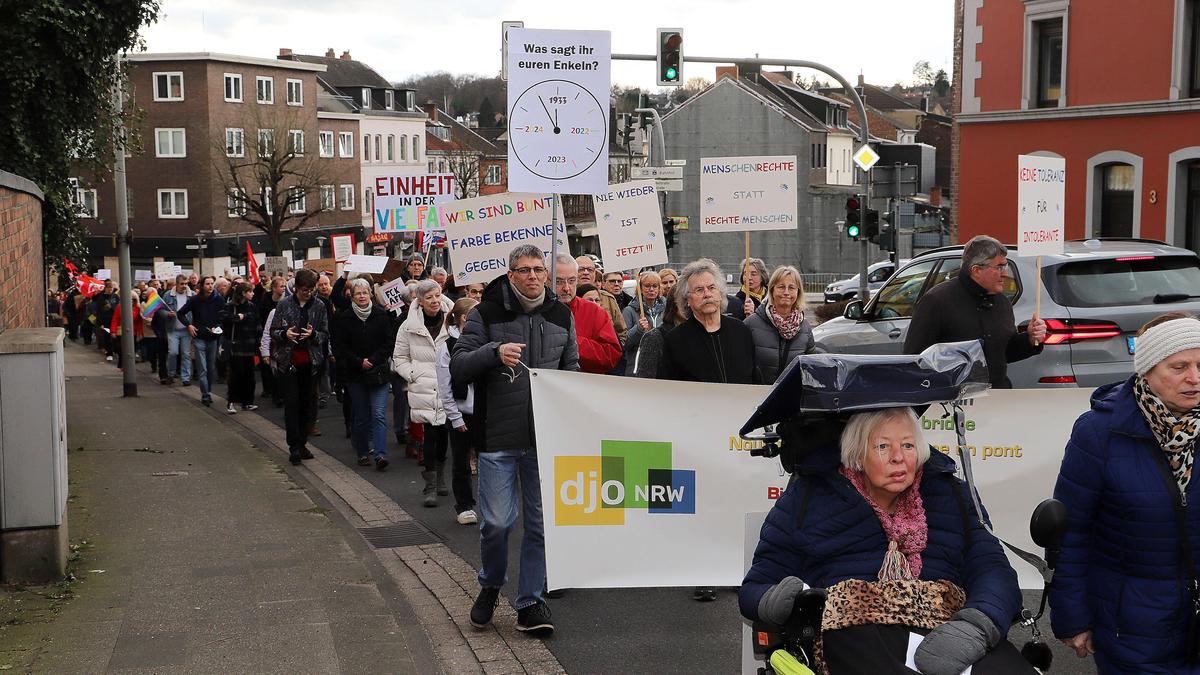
1176 435
920 604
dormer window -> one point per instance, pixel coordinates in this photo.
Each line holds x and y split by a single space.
366 98
410 100
389 99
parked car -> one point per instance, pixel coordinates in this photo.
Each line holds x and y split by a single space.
847 289
1095 297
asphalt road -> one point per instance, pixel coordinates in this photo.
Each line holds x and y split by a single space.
644 630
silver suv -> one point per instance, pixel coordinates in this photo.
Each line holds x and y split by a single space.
847 289
1095 296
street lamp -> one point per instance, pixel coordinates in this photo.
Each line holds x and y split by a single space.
321 245
200 239
294 240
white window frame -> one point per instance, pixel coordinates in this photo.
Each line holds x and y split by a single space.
366 147
389 99
321 145
403 147
175 212
488 178
347 190
296 207
232 148
367 200
1181 49
266 195
346 144
270 98
168 74
391 148
1094 190
1177 192
296 142
327 198
234 77
365 95
266 137
172 151
235 209
378 147
416 155
431 166
1036 11
81 198
299 100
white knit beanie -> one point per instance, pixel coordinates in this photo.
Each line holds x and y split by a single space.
1164 340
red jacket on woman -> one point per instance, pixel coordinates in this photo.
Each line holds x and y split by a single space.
599 350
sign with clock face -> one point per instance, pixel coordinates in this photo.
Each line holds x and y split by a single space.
558 107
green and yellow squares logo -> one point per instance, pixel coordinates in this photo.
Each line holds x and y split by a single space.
597 490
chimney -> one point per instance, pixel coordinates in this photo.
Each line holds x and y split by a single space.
329 53
346 56
935 195
727 71
430 109
924 104
284 52
861 82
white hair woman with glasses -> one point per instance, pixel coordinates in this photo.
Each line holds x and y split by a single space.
778 325
884 525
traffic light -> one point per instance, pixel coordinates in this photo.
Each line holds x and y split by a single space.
887 239
644 119
669 232
853 230
626 134
670 57
871 227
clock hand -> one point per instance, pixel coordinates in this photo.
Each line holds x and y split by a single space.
548 116
556 120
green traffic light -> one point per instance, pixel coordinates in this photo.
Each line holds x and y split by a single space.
852 231
672 73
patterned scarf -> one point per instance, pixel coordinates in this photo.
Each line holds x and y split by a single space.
906 530
1176 435
788 325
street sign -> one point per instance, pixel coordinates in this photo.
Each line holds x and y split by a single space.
676 162
668 184
883 180
643 172
504 26
194 246
865 158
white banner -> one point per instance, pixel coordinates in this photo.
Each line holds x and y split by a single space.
165 271
676 487
389 294
342 246
629 223
747 193
277 265
481 232
141 275
558 100
1041 197
409 203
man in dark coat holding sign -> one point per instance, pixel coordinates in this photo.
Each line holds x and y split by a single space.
973 307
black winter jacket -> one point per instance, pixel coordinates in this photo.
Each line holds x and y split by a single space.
202 312
693 354
961 309
243 335
502 397
355 340
772 353
288 313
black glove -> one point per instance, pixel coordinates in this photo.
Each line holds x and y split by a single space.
958 643
775 606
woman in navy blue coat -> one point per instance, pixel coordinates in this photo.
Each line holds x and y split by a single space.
1122 588
887 528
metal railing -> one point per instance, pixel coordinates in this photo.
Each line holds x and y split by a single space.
815 282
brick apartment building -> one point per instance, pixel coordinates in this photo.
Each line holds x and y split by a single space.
1111 86
202 110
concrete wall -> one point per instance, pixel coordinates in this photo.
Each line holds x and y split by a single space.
22 278
728 122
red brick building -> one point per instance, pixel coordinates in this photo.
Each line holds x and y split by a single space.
1112 86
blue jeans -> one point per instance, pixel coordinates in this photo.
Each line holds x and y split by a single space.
369 427
499 473
179 345
206 366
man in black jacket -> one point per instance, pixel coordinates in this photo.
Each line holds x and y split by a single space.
708 346
201 314
973 307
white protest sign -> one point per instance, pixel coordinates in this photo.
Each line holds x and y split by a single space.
141 275
103 274
165 270
390 294
558 100
342 245
629 223
369 264
277 265
1041 198
409 203
178 269
677 492
739 194
481 232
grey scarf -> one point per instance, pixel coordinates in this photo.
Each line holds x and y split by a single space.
527 304
361 313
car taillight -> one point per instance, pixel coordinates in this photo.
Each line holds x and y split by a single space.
1067 331
1057 379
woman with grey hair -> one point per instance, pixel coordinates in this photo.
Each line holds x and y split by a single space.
415 359
752 291
885 526
781 333
362 343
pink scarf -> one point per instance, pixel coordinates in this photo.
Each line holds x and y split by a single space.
906 530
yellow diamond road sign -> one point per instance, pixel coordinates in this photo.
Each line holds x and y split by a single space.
866 158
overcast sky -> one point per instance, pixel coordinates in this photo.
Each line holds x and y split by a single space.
880 38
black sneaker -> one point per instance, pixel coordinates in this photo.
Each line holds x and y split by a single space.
704 594
484 607
294 457
535 619
305 453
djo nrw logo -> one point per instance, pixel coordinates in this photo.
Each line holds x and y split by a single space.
596 490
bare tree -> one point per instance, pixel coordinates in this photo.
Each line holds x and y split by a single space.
272 175
463 164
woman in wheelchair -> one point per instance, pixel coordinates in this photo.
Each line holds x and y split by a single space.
886 527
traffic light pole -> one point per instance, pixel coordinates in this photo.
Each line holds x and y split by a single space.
864 134
129 373
662 144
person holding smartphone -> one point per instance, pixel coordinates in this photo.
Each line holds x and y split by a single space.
299 337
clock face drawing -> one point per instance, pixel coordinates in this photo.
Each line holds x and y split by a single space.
557 129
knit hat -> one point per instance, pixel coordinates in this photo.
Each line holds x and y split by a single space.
1164 340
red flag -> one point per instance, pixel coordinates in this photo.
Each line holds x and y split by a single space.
251 265
72 270
88 286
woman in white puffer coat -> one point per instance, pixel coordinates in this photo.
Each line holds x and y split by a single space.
415 359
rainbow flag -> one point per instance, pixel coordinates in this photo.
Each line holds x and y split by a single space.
152 304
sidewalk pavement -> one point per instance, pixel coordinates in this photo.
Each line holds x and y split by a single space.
199 549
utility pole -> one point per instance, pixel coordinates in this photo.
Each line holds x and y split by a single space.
653 159
129 372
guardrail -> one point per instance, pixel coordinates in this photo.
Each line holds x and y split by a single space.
815 282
